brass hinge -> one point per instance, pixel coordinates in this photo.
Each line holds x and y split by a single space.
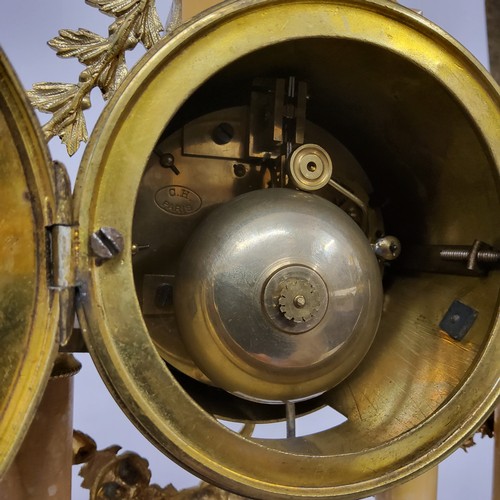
62 273
62 238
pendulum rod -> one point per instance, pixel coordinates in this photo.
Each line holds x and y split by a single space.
290 420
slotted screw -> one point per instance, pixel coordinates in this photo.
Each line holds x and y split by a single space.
223 133
106 243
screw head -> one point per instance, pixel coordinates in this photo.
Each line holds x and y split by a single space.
239 170
299 301
106 243
223 133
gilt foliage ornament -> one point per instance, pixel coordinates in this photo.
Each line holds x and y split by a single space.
126 475
135 21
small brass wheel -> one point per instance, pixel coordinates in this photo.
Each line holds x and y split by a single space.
415 153
310 167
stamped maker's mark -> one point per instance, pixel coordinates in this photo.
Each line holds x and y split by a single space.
178 200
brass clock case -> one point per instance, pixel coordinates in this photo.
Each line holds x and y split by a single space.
28 307
422 118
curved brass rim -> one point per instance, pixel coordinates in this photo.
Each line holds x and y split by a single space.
27 307
112 168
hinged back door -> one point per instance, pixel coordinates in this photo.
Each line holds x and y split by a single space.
29 307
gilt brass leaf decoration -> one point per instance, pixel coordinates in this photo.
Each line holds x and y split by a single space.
136 21
112 76
74 132
86 46
115 8
57 98
148 26
51 97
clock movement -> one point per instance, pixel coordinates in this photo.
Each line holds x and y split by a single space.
287 205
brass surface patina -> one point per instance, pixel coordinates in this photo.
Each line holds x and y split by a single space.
395 128
28 308
421 118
